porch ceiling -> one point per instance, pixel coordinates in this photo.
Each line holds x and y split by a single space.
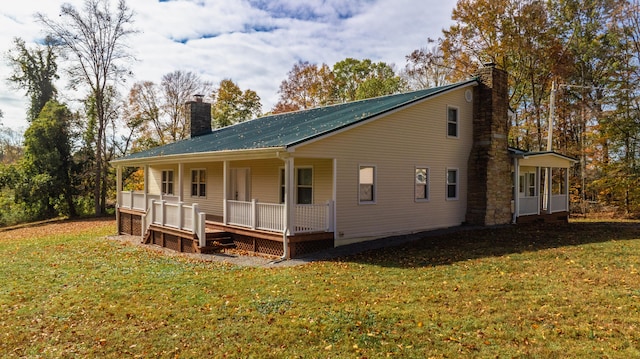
550 159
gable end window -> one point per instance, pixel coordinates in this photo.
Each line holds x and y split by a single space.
452 184
198 183
367 179
452 122
422 184
167 182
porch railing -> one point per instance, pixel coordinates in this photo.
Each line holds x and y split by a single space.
528 205
177 215
271 216
558 203
141 201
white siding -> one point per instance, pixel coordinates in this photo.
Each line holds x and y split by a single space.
395 145
212 203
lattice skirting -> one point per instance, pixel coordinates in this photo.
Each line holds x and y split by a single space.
258 245
130 224
173 242
275 248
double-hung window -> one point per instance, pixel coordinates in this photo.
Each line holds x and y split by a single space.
452 122
452 184
303 183
167 182
422 184
198 183
367 180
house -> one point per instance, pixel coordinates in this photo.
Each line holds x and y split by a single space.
293 183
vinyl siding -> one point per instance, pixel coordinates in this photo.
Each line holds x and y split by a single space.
395 145
212 203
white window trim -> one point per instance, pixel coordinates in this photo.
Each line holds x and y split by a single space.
162 182
374 194
428 189
191 183
457 121
446 192
295 183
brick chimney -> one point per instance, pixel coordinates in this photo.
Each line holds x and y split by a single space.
199 116
489 180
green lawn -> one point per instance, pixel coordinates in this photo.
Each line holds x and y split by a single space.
514 292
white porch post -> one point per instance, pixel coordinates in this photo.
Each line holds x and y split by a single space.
566 188
146 186
537 190
225 191
118 196
549 189
180 182
516 190
289 207
334 196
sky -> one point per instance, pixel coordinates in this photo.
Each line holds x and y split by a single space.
253 42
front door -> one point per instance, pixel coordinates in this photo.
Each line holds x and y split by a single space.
240 189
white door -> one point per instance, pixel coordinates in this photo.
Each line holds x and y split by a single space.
240 189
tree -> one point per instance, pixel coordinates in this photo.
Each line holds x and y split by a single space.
307 86
427 67
10 145
47 164
178 87
231 105
360 79
94 40
34 70
142 117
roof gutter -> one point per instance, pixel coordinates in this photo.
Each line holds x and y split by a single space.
244 154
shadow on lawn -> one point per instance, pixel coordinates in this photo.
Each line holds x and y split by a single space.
455 245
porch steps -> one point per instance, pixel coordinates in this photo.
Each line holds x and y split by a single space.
216 241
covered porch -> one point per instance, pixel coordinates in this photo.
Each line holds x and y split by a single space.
205 205
541 186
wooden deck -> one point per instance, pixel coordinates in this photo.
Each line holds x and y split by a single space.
221 237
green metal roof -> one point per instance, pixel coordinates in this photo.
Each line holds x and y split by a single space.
293 128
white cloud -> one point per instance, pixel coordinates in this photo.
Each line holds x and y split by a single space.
253 42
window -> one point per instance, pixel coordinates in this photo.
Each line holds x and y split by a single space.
283 188
367 177
198 183
531 184
452 184
452 122
422 184
304 185
527 185
167 182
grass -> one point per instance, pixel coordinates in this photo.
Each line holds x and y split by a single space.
513 292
